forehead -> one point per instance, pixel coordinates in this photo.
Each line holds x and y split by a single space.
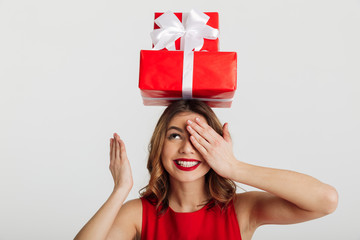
181 118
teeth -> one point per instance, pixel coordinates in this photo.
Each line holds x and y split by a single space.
187 163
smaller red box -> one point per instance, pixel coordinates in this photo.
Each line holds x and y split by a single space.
214 77
211 45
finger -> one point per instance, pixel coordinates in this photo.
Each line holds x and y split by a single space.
215 136
202 141
226 133
205 125
198 146
204 131
112 156
113 150
117 152
123 154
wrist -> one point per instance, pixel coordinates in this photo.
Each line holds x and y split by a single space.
121 192
238 171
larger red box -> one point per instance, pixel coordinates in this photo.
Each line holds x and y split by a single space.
214 77
211 45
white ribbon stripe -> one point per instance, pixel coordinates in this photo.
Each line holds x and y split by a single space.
192 32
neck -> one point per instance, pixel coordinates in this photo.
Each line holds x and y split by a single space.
187 196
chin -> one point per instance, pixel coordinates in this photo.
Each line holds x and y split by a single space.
190 177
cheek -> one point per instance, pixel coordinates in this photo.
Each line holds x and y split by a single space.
169 148
167 153
164 151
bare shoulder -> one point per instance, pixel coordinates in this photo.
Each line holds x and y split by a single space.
132 211
249 204
244 206
127 224
133 205
244 202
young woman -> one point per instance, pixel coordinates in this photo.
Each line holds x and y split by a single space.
191 193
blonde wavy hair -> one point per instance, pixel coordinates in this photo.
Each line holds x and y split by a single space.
220 190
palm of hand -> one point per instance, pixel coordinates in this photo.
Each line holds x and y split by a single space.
120 165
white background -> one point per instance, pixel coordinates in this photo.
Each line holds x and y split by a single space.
68 81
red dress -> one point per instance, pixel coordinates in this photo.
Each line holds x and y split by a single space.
202 224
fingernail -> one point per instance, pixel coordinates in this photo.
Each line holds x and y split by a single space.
197 119
189 122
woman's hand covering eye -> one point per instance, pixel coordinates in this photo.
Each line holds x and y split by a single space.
215 149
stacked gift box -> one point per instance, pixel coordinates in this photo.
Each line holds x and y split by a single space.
186 62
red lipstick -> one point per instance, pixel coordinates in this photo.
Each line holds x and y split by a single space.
186 164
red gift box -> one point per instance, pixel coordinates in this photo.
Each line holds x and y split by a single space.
161 73
211 45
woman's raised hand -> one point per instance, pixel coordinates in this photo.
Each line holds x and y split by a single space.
215 149
120 165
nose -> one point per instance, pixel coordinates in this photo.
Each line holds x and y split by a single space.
187 147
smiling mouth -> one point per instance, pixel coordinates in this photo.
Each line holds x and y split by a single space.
186 164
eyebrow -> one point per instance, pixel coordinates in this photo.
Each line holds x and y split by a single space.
176 128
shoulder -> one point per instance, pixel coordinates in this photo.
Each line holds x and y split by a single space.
133 205
246 204
132 211
245 201
245 207
128 221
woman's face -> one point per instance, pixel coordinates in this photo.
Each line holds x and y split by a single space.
180 158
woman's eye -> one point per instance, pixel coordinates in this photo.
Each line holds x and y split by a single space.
174 136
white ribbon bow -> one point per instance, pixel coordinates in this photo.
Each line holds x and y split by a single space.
192 33
193 30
